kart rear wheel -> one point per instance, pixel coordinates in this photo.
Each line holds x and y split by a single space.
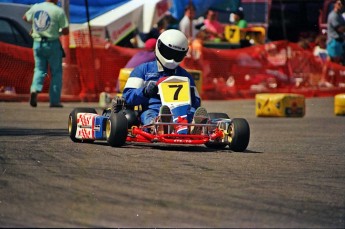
215 115
116 129
239 134
72 122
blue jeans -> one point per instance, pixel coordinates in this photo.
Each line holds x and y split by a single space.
48 52
147 116
335 48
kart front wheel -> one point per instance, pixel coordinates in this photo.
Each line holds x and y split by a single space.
239 134
72 121
116 129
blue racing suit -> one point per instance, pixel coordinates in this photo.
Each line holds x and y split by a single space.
139 79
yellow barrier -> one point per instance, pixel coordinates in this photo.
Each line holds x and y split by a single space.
279 105
339 104
234 34
123 77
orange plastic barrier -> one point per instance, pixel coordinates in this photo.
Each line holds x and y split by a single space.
227 73
99 68
274 67
16 68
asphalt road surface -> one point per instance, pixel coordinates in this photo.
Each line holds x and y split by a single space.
292 174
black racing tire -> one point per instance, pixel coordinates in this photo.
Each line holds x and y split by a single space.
132 117
116 129
215 115
72 122
239 133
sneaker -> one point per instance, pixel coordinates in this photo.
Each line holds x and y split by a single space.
200 117
165 116
165 113
33 99
58 105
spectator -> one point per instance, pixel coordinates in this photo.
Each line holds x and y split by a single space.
320 49
47 20
142 56
213 26
145 55
157 29
321 55
306 40
197 44
187 24
238 19
304 44
335 33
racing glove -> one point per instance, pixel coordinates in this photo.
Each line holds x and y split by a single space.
150 90
117 104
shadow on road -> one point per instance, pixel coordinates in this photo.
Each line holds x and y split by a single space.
181 148
159 146
33 132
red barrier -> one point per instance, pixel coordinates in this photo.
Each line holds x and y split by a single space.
274 67
16 68
227 73
99 68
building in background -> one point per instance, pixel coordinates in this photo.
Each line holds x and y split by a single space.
288 19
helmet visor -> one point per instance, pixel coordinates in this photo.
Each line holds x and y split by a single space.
169 53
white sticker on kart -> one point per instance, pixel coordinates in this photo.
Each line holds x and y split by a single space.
85 126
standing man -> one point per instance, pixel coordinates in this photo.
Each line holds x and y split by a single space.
49 22
335 33
238 19
187 23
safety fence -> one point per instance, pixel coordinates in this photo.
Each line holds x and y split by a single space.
225 73
273 67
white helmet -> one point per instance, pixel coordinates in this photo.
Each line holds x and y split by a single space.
171 48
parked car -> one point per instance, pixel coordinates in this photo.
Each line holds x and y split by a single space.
13 29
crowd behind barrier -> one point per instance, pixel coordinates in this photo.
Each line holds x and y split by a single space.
279 66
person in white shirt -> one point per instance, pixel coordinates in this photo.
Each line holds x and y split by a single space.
188 23
321 54
320 49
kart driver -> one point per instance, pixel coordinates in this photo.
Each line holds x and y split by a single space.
141 87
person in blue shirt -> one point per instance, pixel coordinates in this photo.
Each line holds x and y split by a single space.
141 87
335 33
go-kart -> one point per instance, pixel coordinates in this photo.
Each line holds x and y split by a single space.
120 123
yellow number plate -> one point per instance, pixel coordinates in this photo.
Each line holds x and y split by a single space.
174 92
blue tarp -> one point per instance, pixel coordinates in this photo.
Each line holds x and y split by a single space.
77 7
97 7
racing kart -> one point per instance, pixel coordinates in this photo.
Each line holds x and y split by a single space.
120 124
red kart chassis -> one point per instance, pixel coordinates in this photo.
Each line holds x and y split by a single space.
117 128
139 135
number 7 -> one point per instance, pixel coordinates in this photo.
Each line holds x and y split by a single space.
178 89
